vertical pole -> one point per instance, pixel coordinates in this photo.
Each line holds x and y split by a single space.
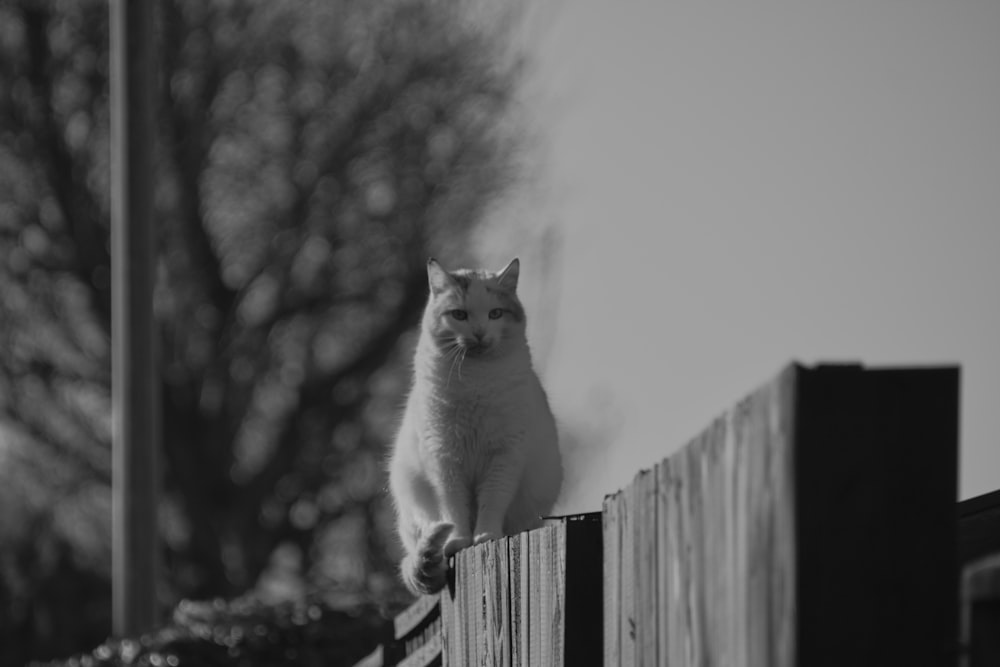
134 370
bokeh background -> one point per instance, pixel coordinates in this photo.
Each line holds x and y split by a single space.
699 193
309 157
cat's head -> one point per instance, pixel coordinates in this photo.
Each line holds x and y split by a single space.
476 312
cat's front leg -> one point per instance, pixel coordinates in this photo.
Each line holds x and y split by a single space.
494 495
455 499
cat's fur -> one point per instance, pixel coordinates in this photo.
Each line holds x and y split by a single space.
477 452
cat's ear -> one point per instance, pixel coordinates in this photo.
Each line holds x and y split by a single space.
508 276
438 279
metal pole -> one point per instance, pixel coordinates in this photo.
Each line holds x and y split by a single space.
135 384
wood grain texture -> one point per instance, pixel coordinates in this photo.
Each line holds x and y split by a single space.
547 593
529 599
424 610
522 551
646 603
611 529
464 609
557 553
478 619
428 654
537 620
448 623
506 609
626 595
812 524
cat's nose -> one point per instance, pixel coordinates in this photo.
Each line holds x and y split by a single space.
479 334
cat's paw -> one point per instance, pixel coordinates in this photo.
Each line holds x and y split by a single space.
425 576
486 537
456 544
425 571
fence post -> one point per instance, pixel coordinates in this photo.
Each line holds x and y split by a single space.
812 524
135 383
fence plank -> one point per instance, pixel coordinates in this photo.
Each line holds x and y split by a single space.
517 580
527 584
612 579
476 556
448 622
491 597
664 569
426 655
502 555
537 620
551 594
627 590
646 567
422 611
465 607
546 594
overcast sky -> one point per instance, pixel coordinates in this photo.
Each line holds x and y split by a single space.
743 184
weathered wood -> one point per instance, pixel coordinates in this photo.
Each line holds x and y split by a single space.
552 543
547 592
449 619
373 659
813 524
612 579
529 599
668 572
477 560
463 612
423 611
427 655
644 500
527 584
519 583
626 601
535 574
491 595
503 609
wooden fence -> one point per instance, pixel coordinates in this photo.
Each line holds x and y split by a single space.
812 524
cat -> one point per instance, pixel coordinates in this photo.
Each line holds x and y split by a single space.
476 456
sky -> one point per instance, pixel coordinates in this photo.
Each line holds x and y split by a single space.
740 185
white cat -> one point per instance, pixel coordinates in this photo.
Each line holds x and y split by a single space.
477 453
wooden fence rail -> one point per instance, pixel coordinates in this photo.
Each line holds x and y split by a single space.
812 524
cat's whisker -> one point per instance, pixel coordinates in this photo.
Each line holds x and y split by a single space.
456 352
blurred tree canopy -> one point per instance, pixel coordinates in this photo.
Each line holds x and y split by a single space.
309 157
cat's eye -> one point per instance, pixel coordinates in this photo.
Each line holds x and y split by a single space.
458 314
496 313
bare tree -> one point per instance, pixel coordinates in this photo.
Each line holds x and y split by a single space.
310 156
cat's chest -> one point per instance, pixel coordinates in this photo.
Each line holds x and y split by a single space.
480 420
